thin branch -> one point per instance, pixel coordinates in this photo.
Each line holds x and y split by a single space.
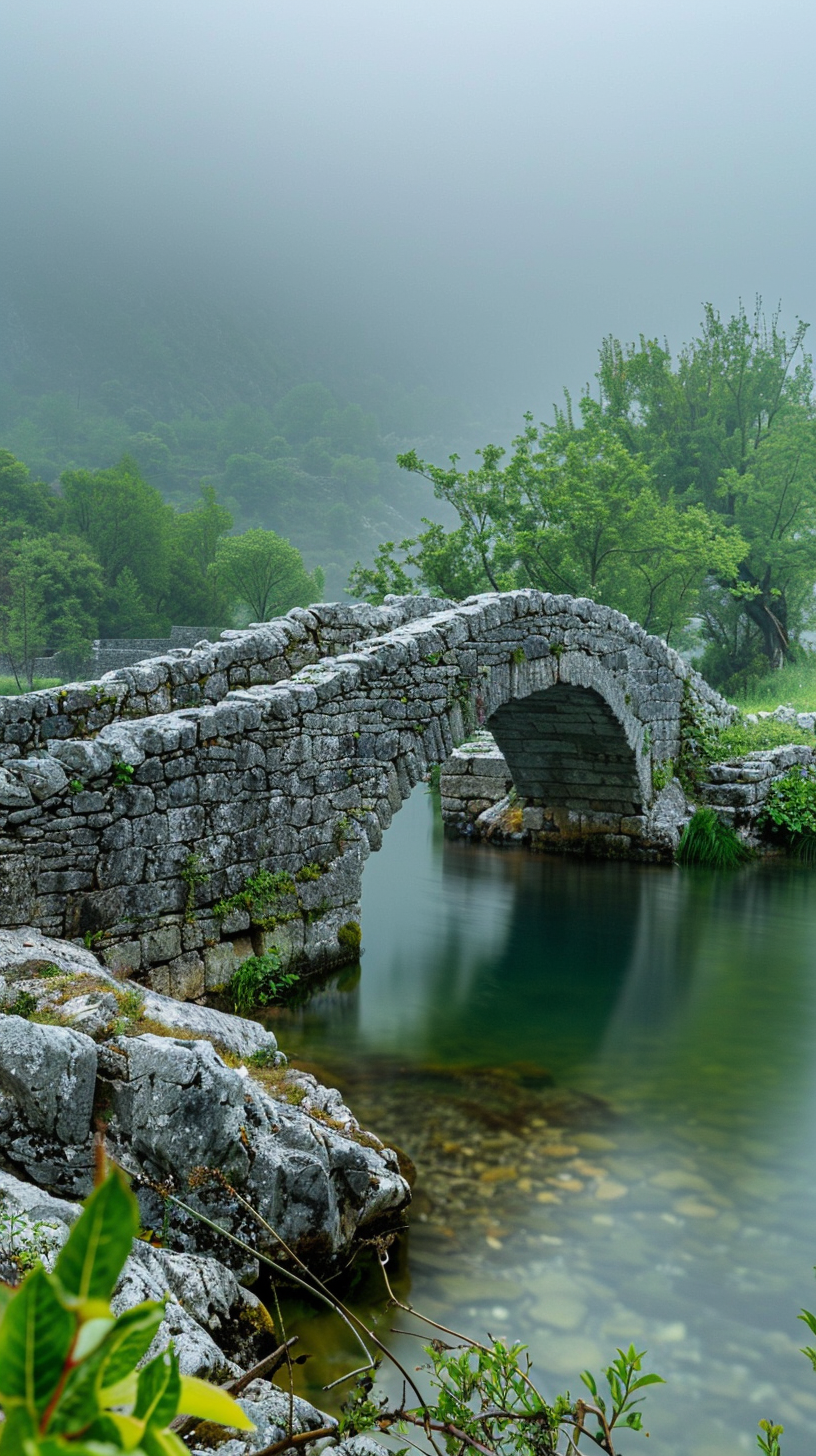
302 1438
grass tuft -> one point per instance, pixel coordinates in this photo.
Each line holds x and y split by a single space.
708 842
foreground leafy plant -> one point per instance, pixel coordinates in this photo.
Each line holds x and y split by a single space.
68 1377
485 1400
708 842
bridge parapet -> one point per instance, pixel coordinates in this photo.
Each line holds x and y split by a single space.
181 842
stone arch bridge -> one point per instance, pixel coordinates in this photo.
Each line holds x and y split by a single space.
185 813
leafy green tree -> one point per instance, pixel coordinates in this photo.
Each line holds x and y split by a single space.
257 485
572 510
52 590
195 595
359 476
730 426
152 455
265 573
127 525
23 501
127 614
350 431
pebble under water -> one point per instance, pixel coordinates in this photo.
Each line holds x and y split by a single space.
605 1075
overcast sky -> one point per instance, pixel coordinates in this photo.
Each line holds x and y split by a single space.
469 192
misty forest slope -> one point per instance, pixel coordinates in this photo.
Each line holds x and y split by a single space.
196 394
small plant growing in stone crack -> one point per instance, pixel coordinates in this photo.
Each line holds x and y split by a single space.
341 831
790 812
24 1004
647 740
259 981
266 1056
349 937
260 892
518 656
662 774
122 775
318 911
22 1243
309 872
130 1004
76 786
91 938
193 874
68 1366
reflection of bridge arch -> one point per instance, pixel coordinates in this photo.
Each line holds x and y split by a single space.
306 768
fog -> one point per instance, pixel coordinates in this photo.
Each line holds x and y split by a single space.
465 193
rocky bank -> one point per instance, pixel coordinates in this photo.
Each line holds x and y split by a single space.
195 1103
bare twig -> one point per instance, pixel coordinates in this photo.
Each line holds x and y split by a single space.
264 1369
300 1438
183 1425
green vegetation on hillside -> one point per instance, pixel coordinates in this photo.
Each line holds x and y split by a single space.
107 556
686 490
195 398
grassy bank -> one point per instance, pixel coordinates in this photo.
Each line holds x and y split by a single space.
794 684
9 688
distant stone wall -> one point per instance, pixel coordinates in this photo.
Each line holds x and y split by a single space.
140 824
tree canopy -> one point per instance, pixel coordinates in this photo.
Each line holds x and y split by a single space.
686 490
105 555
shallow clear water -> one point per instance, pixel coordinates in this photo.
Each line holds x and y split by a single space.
606 1076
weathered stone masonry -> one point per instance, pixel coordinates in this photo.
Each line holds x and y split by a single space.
133 809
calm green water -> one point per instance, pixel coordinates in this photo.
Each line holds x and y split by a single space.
606 1076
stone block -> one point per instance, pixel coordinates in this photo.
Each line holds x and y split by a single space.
124 958
161 945
219 964
186 976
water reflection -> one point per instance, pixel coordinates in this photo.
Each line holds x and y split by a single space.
662 1187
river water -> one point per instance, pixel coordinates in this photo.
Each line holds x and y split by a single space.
606 1077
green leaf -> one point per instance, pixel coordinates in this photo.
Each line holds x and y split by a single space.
6 1295
91 1261
589 1381
53 1446
19 1426
135 1332
163 1443
647 1380
159 1390
35 1339
211 1404
97 1381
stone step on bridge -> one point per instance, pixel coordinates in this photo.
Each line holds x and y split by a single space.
183 814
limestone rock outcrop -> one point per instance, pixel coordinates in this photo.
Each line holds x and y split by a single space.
182 1113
